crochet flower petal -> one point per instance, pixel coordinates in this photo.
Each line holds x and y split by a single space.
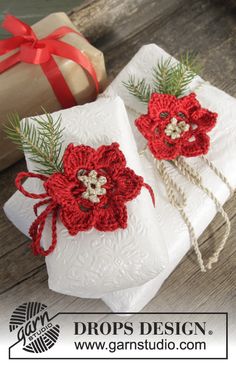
163 150
110 159
75 219
197 147
160 104
204 119
59 188
91 198
173 122
144 125
76 158
128 185
188 103
111 217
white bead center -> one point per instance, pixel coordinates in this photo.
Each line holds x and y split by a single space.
93 186
175 128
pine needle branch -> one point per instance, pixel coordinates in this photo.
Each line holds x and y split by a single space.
168 78
138 88
162 76
42 141
174 79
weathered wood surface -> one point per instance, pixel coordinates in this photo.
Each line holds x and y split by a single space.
119 28
31 11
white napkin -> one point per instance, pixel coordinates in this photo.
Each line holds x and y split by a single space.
200 209
93 263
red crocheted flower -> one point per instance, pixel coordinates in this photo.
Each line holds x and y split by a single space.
176 126
94 188
91 192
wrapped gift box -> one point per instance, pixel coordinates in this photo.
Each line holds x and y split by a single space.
93 263
24 88
200 209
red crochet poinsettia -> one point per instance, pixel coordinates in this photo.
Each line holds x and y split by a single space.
91 192
176 126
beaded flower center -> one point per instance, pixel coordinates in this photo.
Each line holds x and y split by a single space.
93 185
175 128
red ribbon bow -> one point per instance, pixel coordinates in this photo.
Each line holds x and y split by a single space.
40 52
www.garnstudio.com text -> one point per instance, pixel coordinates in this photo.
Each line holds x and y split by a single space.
143 329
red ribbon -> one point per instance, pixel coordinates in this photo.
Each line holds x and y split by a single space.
37 227
40 52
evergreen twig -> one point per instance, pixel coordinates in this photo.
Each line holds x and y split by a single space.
168 78
42 141
183 73
139 88
163 76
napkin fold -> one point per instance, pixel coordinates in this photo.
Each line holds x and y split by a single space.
200 209
93 263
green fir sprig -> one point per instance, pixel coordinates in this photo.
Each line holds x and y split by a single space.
168 78
42 141
139 88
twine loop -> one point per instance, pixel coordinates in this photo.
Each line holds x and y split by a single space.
193 176
178 199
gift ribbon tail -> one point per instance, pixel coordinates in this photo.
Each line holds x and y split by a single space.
9 62
15 26
8 45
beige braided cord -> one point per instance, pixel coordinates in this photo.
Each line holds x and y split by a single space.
193 176
143 151
175 193
219 174
178 199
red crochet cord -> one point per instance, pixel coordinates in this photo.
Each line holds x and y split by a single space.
36 229
148 187
64 194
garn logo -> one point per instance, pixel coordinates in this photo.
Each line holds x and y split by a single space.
34 328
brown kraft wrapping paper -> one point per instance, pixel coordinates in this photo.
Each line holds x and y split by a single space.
25 89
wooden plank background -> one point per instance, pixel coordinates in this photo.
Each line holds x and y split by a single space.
119 29
31 11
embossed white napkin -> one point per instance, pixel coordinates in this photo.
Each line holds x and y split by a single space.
93 263
200 209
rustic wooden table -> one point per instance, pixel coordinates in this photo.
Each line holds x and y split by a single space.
119 28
